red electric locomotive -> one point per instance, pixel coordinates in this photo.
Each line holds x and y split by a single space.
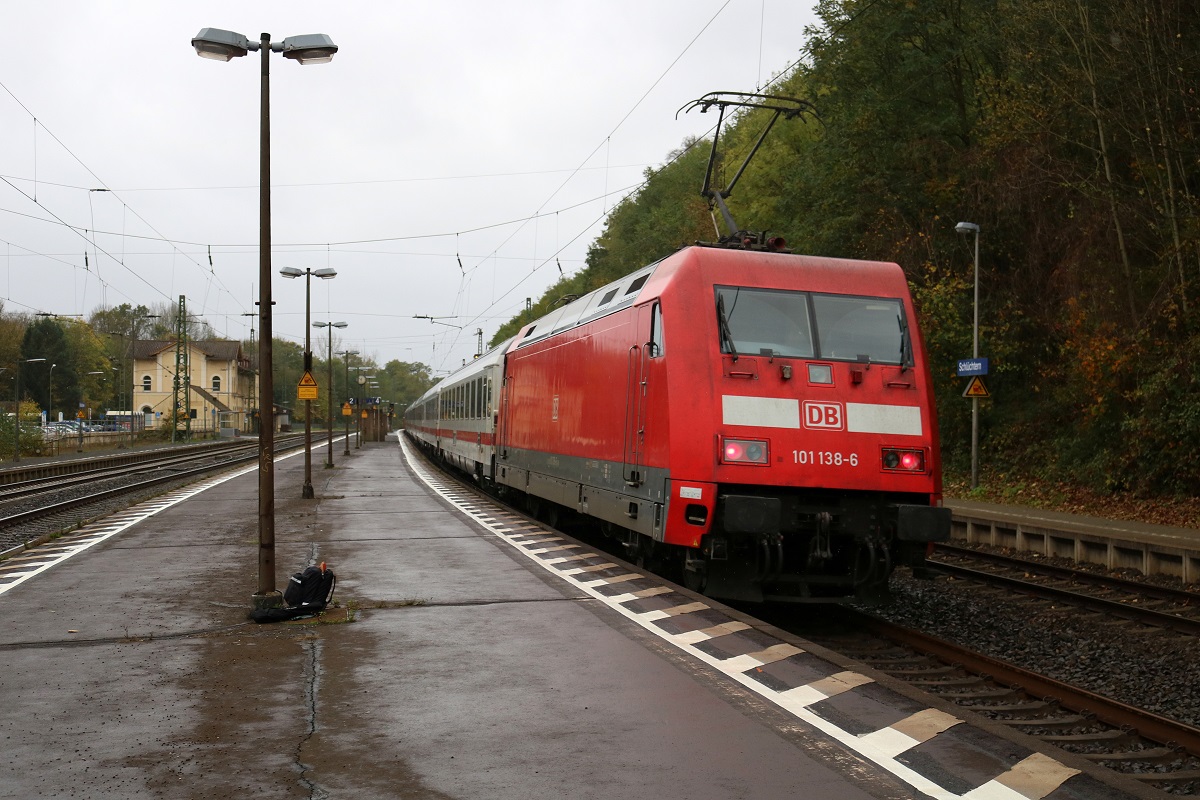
762 420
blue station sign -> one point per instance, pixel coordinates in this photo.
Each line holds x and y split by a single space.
972 366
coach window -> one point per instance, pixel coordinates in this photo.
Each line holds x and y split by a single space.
657 343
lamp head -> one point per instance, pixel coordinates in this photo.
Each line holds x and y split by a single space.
966 227
325 272
308 48
221 45
291 272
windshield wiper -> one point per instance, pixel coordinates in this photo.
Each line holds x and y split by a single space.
723 327
905 342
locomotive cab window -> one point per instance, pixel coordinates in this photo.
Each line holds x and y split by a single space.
766 322
869 329
781 324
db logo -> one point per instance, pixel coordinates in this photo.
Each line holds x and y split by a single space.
827 416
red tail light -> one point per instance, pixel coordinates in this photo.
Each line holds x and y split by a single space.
899 460
744 451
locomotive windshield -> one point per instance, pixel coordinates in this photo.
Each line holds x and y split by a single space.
788 324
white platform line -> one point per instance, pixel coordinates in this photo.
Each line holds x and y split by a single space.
995 789
126 518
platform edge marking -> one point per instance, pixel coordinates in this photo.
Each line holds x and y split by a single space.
787 700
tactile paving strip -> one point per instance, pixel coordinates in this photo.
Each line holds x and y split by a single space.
924 747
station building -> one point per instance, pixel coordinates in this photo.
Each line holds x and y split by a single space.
217 383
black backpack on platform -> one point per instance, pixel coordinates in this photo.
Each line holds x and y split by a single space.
312 588
308 592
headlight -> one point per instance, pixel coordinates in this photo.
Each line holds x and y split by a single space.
899 460
744 451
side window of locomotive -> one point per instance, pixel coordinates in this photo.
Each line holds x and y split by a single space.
657 343
861 328
765 322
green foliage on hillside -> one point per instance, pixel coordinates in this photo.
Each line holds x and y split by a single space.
1069 130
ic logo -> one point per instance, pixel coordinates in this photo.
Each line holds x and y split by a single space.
825 416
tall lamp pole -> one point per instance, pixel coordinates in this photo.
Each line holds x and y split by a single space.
316 48
326 273
50 393
347 354
329 326
971 227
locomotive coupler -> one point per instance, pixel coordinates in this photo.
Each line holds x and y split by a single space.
820 549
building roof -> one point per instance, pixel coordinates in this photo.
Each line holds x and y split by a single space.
219 349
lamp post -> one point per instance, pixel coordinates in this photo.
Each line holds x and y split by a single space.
361 380
79 420
971 227
326 274
50 393
318 48
17 415
347 354
329 355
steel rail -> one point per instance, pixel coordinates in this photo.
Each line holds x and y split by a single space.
1181 596
1153 727
16 491
68 505
13 476
1116 608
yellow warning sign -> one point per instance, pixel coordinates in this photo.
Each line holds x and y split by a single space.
975 388
347 410
307 390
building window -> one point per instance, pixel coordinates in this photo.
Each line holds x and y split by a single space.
145 383
216 383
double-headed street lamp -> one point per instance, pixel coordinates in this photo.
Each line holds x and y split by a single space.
971 227
329 355
315 48
326 273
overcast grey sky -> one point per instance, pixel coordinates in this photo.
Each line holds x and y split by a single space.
435 124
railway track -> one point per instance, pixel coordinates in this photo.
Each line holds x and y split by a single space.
1161 606
1156 750
65 494
1161 752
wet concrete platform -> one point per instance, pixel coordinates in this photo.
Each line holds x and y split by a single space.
472 656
